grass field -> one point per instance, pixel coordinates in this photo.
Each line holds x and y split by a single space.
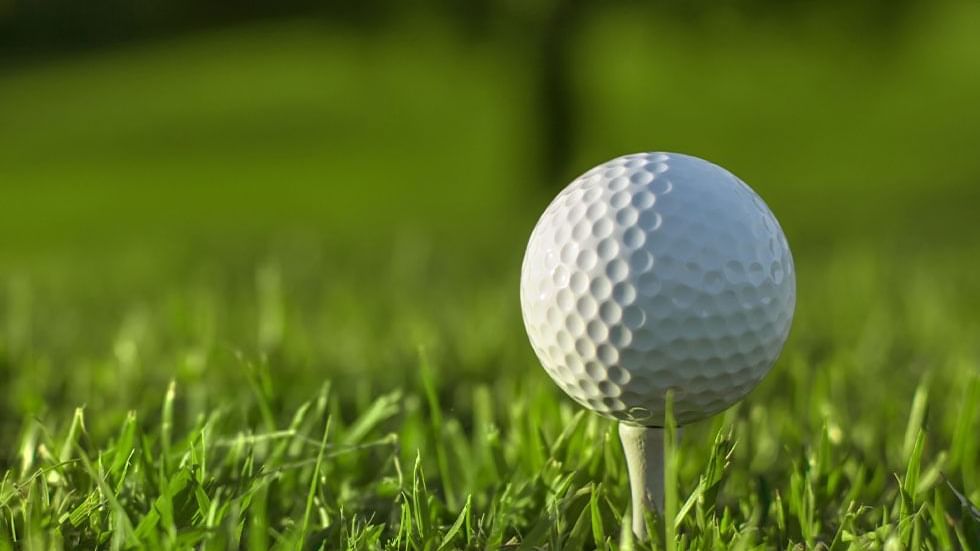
249 299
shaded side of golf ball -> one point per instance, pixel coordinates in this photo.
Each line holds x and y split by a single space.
652 272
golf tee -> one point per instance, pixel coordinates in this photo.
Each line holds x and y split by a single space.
644 450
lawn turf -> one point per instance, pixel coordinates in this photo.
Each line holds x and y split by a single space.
230 317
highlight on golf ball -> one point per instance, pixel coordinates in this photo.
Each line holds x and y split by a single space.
654 272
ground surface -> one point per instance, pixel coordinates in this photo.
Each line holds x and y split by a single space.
234 316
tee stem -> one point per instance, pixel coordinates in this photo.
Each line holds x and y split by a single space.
644 450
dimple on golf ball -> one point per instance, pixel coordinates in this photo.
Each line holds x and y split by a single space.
656 272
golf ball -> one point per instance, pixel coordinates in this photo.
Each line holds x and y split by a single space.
656 272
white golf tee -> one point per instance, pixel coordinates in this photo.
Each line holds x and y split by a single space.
644 450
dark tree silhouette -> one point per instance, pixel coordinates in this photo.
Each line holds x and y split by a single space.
555 96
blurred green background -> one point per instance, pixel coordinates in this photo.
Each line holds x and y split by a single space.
153 149
251 199
395 159
172 121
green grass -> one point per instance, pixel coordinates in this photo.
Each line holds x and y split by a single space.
275 406
225 324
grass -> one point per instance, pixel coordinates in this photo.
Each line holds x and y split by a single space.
187 363
277 409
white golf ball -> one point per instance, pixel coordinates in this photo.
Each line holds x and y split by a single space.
656 272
